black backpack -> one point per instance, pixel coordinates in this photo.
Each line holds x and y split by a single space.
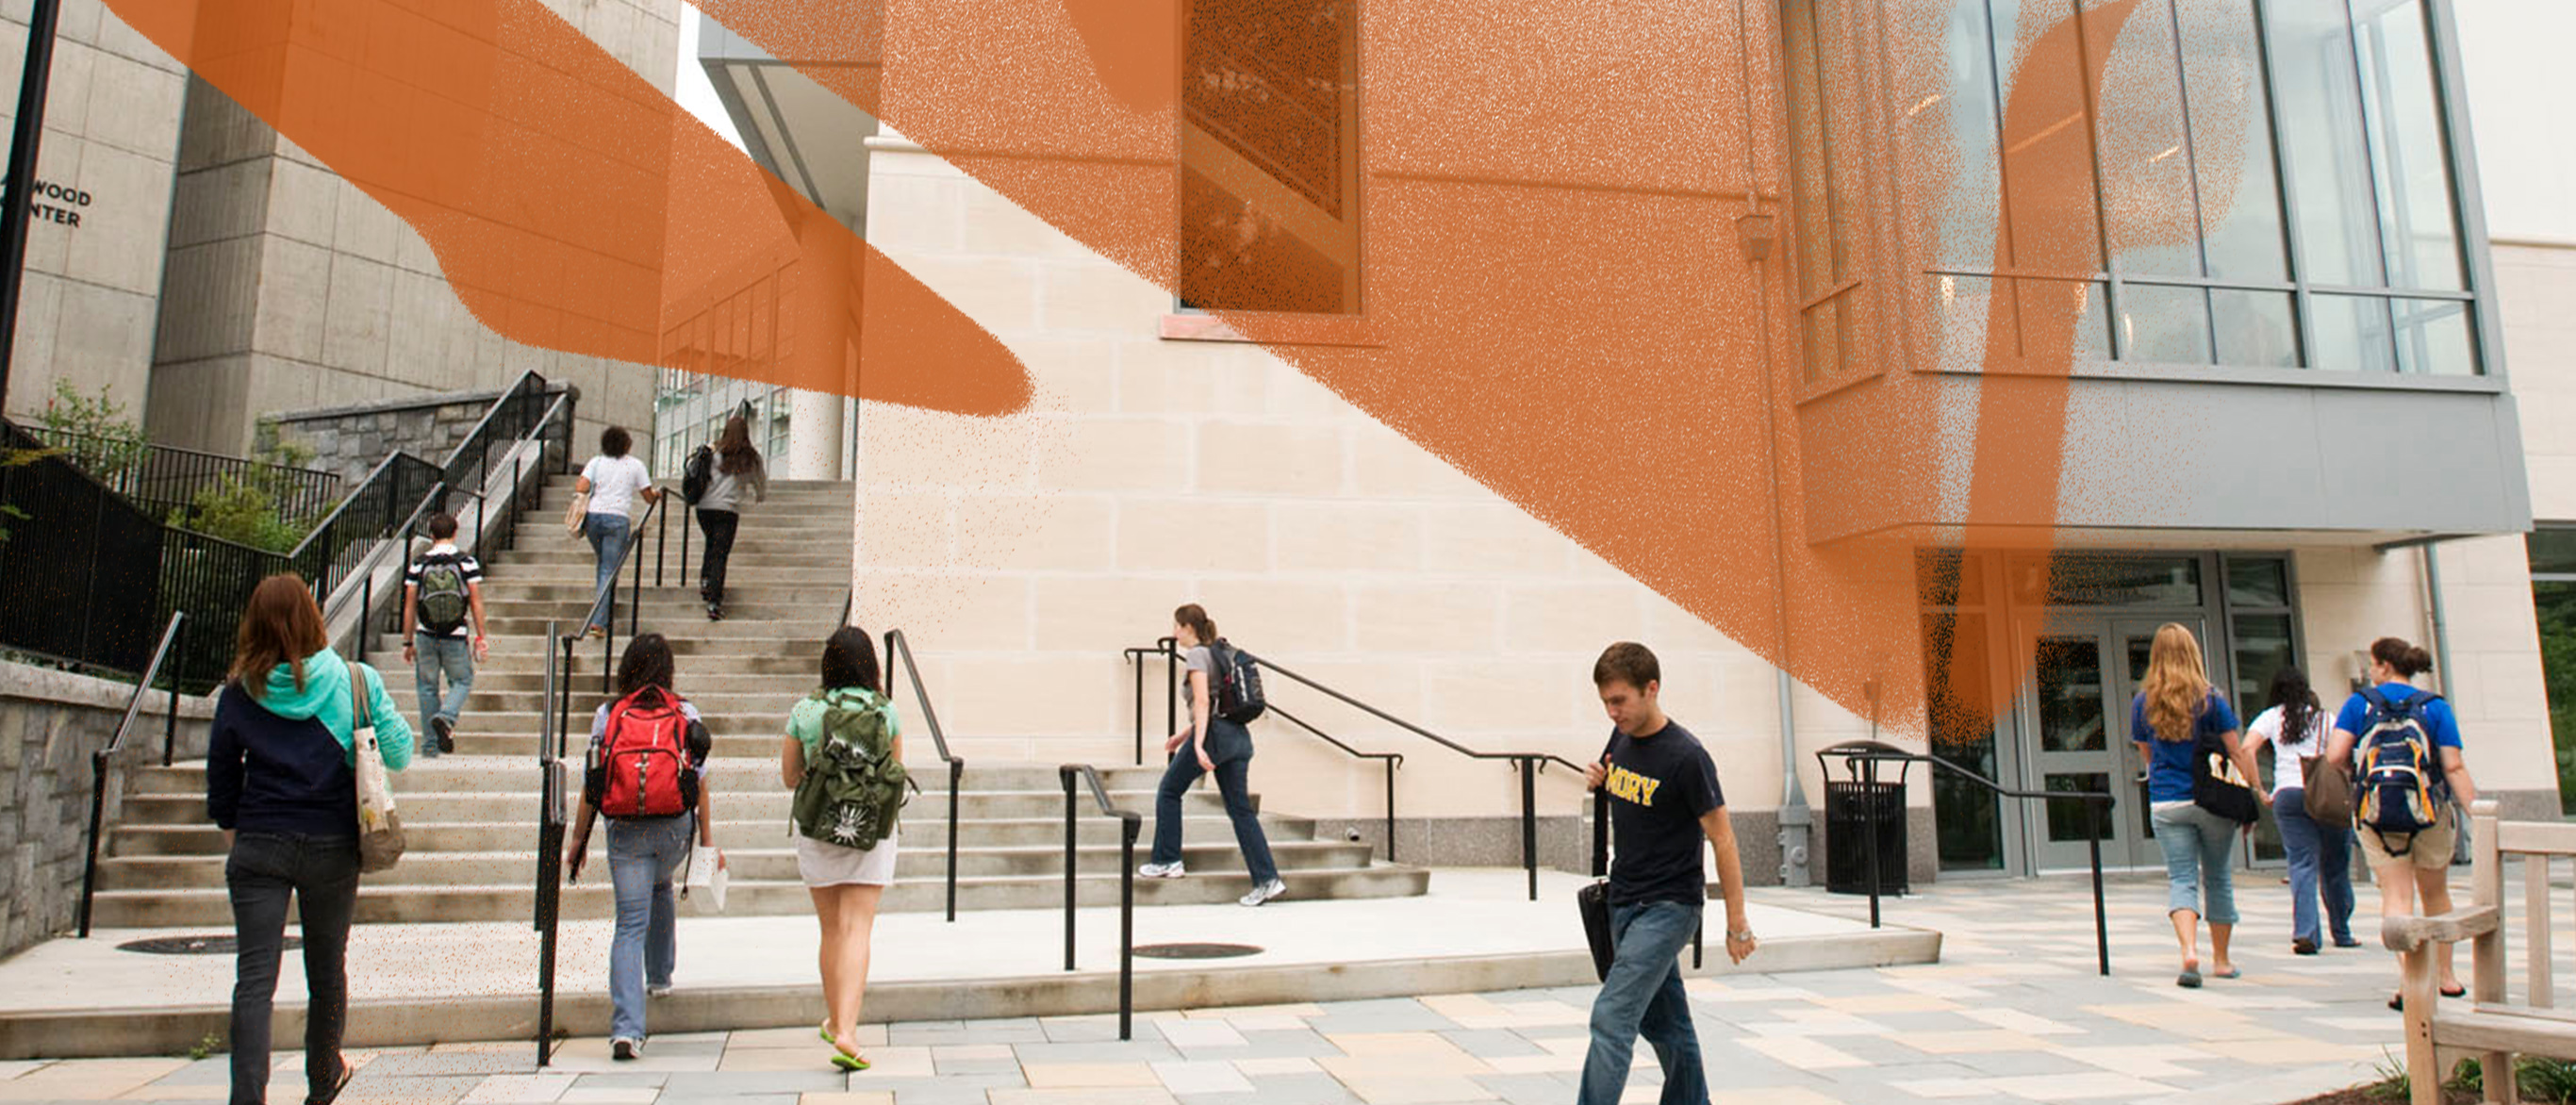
1235 683
696 474
441 597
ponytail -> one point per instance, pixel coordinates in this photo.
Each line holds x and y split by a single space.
1196 618
2407 660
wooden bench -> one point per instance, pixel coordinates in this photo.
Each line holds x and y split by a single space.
2487 1024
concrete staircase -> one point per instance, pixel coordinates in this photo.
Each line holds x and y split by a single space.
471 817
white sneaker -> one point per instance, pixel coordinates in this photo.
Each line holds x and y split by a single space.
662 991
1264 892
1172 870
625 1047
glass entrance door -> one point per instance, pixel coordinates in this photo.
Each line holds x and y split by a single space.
2075 732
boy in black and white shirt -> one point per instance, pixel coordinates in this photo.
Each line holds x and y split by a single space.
442 594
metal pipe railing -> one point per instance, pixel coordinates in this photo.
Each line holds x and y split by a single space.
1390 760
99 760
603 603
1129 825
899 649
551 820
1864 761
1529 764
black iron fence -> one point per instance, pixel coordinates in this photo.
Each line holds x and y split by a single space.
1130 825
99 761
81 564
164 479
375 511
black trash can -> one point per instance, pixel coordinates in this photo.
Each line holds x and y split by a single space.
1852 804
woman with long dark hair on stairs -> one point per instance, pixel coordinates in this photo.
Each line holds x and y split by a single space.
1211 745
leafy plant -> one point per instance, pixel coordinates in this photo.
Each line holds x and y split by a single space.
206 1045
110 445
17 458
243 511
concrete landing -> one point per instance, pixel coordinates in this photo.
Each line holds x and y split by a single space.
431 983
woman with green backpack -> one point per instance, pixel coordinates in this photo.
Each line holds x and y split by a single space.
843 758
2407 771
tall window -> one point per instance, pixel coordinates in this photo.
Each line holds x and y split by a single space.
1834 313
1270 156
2553 599
2267 183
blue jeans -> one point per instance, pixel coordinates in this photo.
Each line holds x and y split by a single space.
2315 851
1643 996
2196 844
1231 748
609 535
452 657
642 857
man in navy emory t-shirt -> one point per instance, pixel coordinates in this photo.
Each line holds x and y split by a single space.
1664 800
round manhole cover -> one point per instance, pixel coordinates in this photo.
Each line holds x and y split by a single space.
195 945
1195 951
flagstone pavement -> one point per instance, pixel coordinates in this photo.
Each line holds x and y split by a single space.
2014 1012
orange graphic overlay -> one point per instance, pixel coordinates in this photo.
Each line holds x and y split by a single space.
568 200
1560 295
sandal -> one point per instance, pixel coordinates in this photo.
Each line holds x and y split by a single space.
348 1070
840 1058
2188 980
2231 972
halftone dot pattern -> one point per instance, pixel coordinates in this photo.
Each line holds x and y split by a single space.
1547 198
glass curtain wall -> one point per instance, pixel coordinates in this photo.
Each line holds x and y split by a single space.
2270 185
2553 599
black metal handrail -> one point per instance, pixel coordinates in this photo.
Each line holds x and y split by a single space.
396 541
1389 760
899 649
552 817
1863 757
1164 647
603 603
164 478
1129 825
99 760
374 511
1528 764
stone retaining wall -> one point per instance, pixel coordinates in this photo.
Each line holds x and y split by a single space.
352 440
50 723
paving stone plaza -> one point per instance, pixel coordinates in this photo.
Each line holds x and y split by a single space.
2014 1012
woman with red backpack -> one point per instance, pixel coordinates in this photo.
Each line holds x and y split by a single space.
2411 781
645 774
1211 745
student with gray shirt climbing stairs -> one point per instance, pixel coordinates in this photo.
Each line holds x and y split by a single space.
1217 743
714 483
442 594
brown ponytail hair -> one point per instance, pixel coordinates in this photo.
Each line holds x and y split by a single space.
1196 618
2407 660
280 625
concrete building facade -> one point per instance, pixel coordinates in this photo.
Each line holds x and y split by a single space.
1165 463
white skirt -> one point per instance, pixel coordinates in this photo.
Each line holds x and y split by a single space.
824 864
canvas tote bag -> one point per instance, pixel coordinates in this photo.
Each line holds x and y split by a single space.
380 833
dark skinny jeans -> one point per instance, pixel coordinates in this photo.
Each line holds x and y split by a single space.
321 873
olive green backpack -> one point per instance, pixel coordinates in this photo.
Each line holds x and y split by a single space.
853 786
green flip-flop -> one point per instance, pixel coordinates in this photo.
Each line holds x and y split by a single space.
840 1058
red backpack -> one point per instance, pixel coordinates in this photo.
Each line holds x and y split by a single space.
643 768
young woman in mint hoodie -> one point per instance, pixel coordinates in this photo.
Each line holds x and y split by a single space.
281 782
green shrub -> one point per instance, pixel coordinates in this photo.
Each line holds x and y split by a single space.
114 444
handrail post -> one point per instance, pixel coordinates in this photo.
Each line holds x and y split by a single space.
97 813
1171 685
1138 659
684 556
1128 827
1869 831
635 595
1065 774
955 770
2101 924
662 545
170 724
1529 821
1389 763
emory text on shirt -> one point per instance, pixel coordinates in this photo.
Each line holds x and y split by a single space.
1631 786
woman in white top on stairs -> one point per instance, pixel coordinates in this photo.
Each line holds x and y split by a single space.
613 480
2297 728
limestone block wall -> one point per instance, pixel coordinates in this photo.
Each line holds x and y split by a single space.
351 440
1021 556
94 245
289 288
51 722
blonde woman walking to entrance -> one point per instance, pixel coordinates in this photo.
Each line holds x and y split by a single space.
2407 733
2175 716
843 759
